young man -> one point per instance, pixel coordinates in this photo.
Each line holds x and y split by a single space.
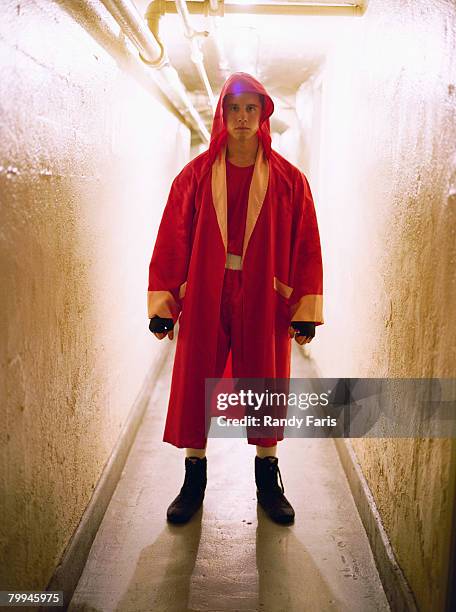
238 257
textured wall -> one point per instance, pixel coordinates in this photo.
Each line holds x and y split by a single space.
388 221
87 153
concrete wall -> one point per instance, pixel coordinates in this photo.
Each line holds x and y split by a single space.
387 215
87 153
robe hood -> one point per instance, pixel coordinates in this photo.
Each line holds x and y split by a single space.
241 82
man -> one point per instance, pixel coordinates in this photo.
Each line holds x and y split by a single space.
238 257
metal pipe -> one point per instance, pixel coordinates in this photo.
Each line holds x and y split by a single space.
197 54
180 98
338 9
293 8
223 63
132 24
153 54
182 9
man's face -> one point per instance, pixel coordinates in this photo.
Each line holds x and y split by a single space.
242 115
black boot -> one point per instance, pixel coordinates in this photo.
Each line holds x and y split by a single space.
269 494
191 494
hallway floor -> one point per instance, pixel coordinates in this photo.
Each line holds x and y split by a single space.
230 557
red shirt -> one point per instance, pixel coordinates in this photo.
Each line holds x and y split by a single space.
237 186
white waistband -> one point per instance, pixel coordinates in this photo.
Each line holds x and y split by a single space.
233 262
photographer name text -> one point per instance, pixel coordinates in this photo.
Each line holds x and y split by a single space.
268 421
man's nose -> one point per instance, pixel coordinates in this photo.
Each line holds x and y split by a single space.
242 117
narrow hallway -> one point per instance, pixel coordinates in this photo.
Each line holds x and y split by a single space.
249 172
230 556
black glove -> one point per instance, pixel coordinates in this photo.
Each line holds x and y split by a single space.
304 328
159 325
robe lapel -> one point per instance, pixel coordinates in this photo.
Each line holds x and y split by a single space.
257 193
219 196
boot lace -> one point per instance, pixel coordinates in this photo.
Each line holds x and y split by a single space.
275 471
280 478
282 488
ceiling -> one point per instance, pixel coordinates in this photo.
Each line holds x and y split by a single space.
282 51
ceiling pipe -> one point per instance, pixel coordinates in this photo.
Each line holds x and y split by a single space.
197 56
176 92
223 63
127 16
338 9
153 54
295 8
214 20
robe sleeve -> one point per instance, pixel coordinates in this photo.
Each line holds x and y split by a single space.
170 258
306 299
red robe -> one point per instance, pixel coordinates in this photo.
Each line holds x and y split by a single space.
281 267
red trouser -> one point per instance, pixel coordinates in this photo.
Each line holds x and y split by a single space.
230 335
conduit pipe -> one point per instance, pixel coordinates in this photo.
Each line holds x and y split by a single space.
214 20
338 9
180 99
295 8
197 55
153 54
127 16
223 63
